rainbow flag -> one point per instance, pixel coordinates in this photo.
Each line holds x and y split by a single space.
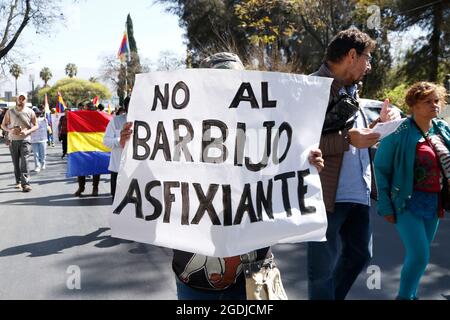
124 50
86 153
60 105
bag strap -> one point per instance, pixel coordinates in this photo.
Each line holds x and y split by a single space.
21 118
432 147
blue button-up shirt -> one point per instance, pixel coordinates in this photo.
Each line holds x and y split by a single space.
355 177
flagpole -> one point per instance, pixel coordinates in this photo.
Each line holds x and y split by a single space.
126 79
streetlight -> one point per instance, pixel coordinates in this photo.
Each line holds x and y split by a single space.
31 78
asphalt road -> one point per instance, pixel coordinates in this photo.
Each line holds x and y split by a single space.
57 246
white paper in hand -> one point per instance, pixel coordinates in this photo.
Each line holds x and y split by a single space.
386 128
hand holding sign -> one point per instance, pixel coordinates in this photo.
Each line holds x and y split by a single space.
125 134
315 159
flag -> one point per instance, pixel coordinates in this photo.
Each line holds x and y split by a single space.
60 105
48 114
124 50
87 155
95 101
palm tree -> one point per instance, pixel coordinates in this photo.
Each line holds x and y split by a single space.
71 70
16 71
45 75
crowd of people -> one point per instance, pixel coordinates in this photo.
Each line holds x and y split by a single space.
409 176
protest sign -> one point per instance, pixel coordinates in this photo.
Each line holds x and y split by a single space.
218 161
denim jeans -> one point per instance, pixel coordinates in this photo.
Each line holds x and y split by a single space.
331 274
39 149
185 292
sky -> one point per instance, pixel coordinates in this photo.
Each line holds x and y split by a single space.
93 29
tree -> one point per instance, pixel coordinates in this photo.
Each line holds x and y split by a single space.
75 91
16 15
128 72
71 70
210 26
45 75
281 35
434 49
16 71
168 60
113 72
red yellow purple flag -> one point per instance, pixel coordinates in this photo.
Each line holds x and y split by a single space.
60 105
87 155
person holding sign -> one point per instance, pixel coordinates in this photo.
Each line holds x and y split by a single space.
412 166
111 140
347 177
202 277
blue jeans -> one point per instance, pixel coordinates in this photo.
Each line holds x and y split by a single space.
331 274
39 149
185 292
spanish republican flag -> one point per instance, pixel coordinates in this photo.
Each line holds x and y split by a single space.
86 153
60 105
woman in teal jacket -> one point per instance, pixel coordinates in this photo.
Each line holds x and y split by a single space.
410 165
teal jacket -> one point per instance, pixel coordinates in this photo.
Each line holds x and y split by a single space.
394 165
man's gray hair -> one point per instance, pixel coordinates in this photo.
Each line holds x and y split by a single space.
223 60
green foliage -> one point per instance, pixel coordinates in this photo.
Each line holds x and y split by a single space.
71 70
126 76
432 17
292 35
210 26
15 70
45 75
75 91
396 96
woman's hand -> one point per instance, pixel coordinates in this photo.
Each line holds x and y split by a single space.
125 133
315 159
390 218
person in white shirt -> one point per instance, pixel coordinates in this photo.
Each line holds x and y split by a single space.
111 140
39 141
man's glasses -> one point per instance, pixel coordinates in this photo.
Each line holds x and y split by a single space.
369 58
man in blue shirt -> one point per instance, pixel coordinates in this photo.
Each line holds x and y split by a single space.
347 181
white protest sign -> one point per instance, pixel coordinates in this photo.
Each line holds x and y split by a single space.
218 161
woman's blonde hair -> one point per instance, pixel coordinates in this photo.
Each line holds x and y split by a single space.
421 90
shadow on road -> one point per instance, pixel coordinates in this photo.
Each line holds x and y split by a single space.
145 276
54 246
62 200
